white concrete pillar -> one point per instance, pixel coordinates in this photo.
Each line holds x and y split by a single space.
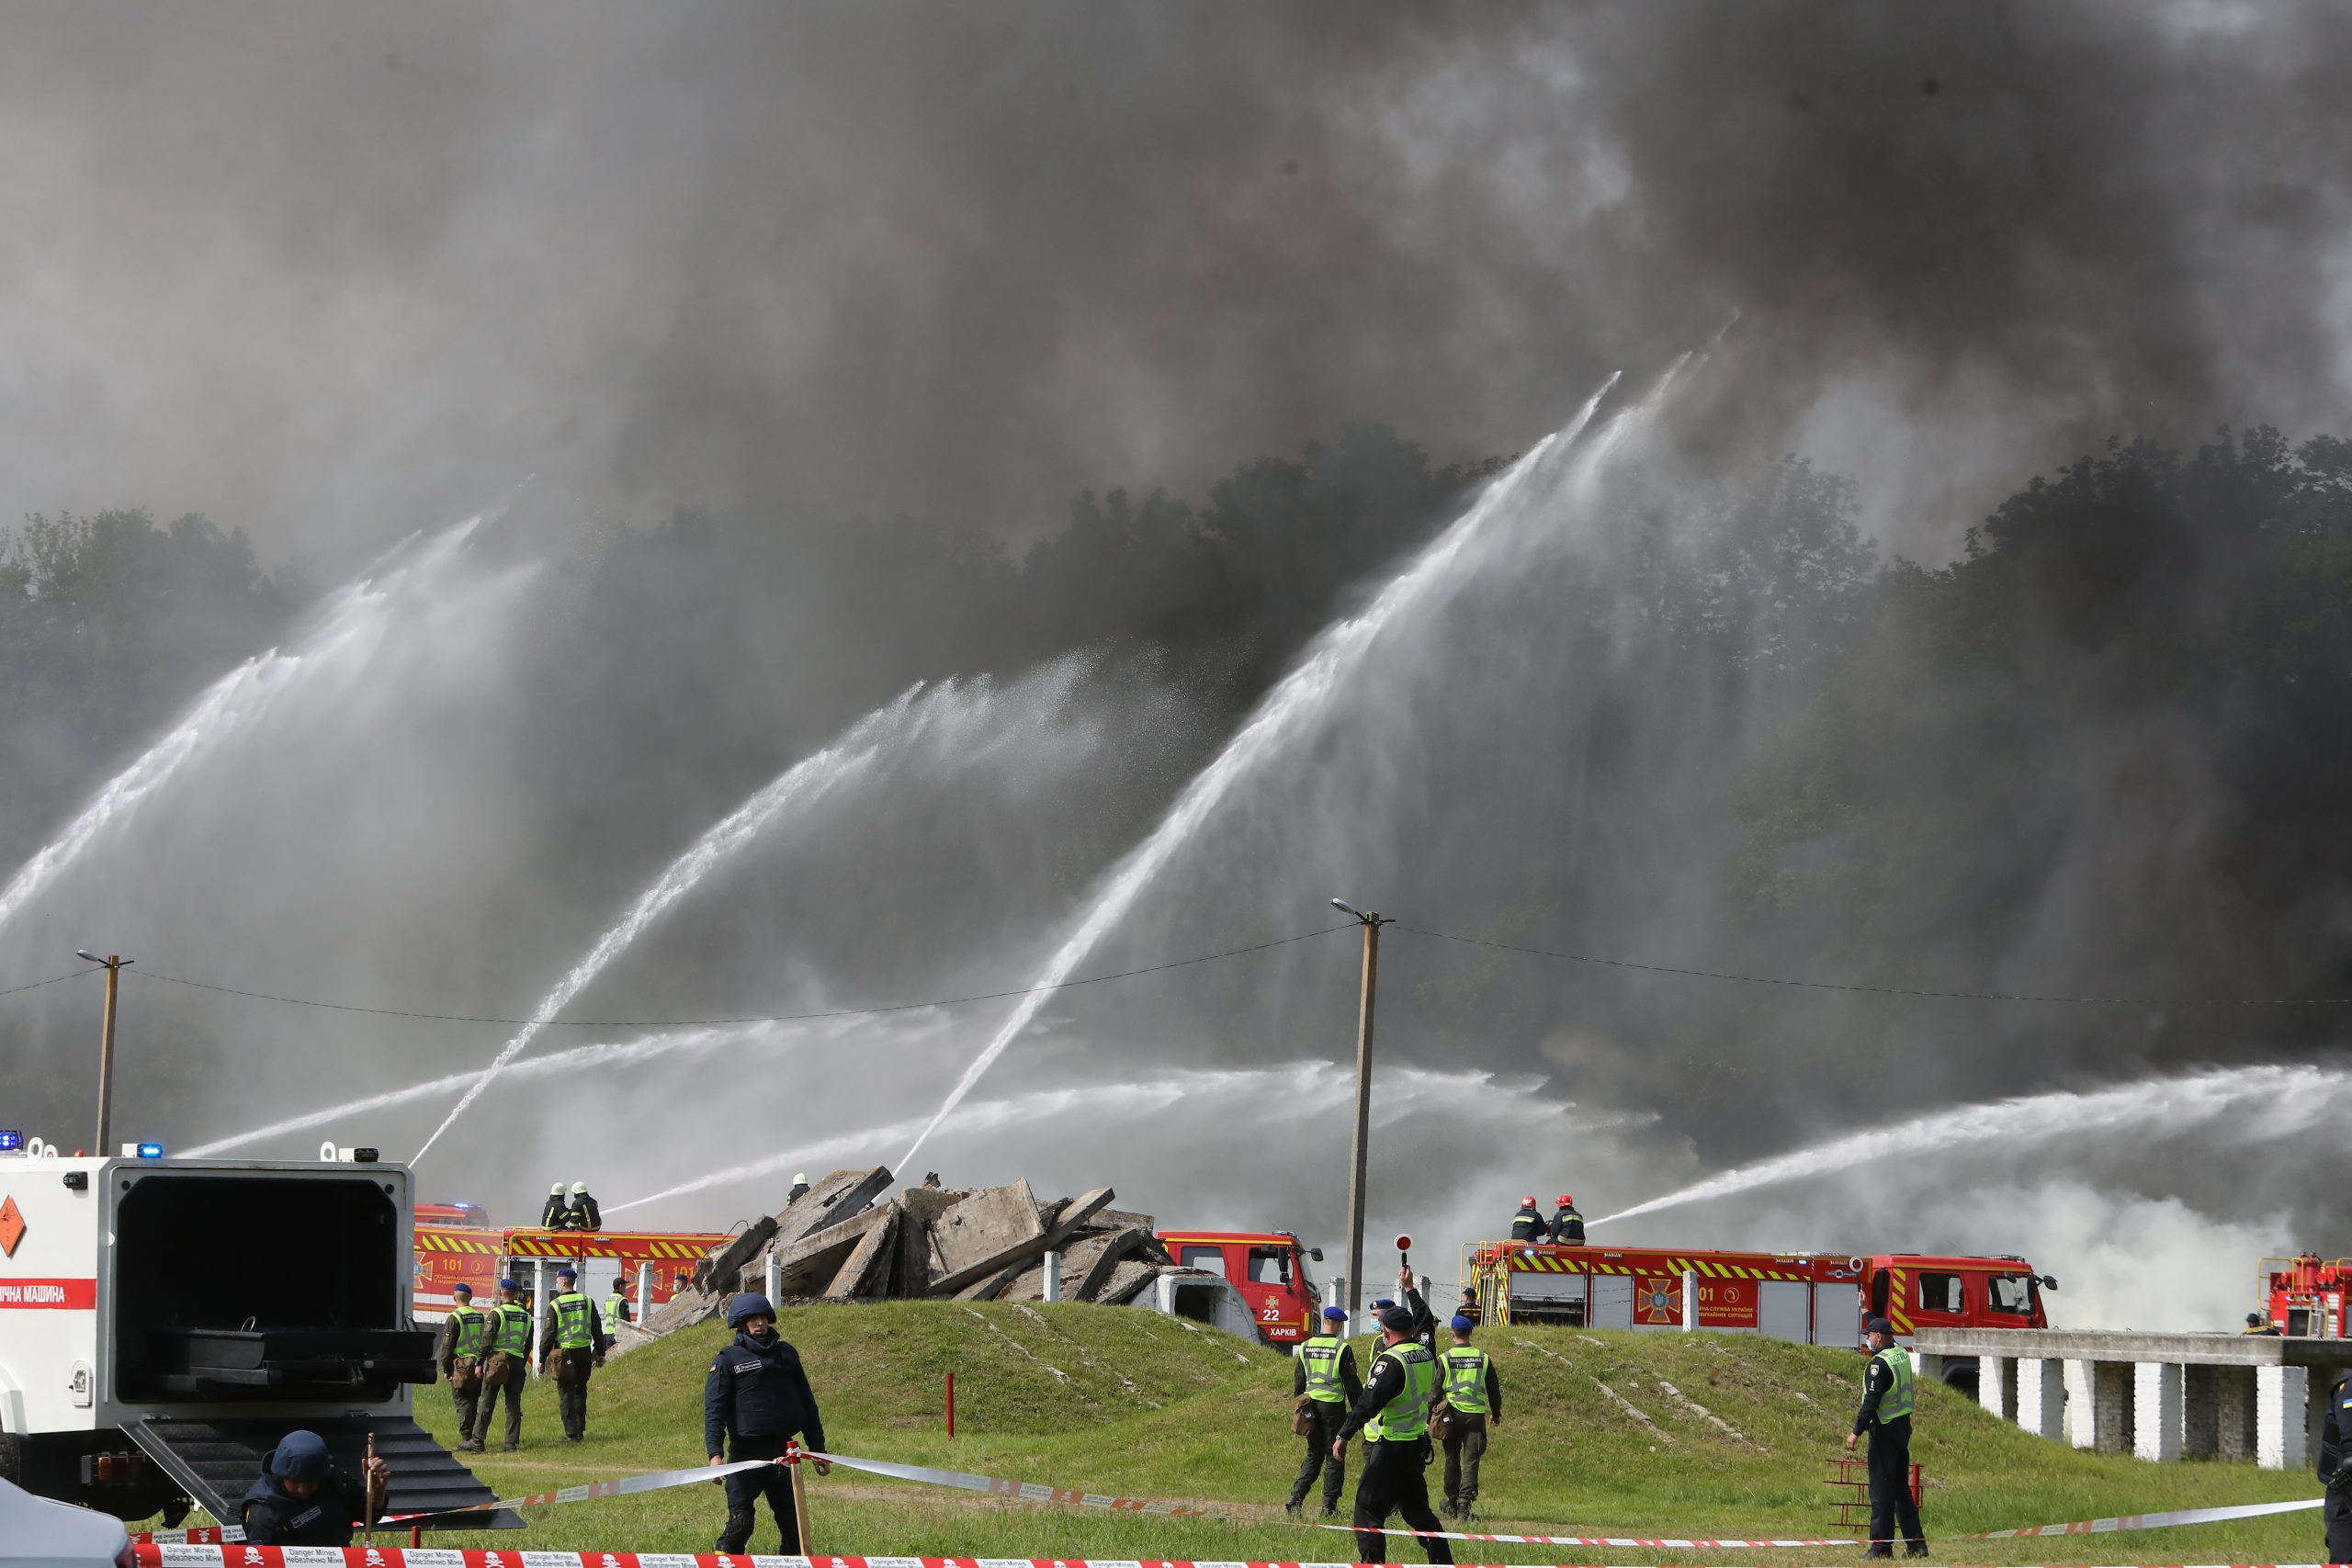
538 1307
1689 1299
2082 1404
774 1282
2042 1396
644 1293
1052 1290
2156 1408
2280 1402
1994 1376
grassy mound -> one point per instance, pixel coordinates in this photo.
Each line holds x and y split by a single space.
1602 1433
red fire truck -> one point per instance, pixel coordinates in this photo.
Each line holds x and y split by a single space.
2305 1296
1813 1297
1267 1268
456 1242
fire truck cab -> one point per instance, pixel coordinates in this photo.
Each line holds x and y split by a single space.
164 1322
1267 1269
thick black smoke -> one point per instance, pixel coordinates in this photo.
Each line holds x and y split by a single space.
960 261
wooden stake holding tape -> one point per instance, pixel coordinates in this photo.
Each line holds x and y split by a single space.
799 1461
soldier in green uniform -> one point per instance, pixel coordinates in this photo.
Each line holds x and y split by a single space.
576 1343
506 1368
1394 1416
464 1335
1324 1376
1475 1393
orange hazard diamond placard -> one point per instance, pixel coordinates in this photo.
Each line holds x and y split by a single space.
12 1227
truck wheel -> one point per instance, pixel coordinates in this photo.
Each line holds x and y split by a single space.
12 1459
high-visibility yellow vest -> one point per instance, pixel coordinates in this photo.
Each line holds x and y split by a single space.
473 1332
571 1313
616 1311
1900 1397
1465 1379
1406 1418
1321 1355
512 1335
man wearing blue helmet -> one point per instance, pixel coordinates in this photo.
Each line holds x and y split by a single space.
756 1400
303 1498
1323 1384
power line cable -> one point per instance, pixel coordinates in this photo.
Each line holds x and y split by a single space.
1883 990
752 1017
53 979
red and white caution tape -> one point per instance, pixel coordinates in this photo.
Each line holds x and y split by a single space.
434 1557
628 1485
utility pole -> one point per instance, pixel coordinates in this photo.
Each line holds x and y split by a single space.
114 966
1360 1151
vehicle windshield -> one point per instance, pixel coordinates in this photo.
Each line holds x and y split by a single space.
2011 1293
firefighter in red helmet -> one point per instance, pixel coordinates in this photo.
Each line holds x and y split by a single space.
1568 1225
1529 1224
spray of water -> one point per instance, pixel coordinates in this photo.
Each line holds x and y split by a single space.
1237 1098
2287 1099
353 615
756 1037
1299 701
796 787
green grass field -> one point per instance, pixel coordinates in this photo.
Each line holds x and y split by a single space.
1123 1401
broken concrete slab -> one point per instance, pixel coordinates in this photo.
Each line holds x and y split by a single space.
840 1195
866 1270
1127 1281
919 1261
717 1273
808 1265
982 1229
1030 1245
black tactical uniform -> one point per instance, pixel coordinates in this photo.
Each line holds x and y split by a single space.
1394 1416
2336 1508
757 1399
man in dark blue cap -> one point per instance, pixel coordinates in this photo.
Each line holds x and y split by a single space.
1889 1395
1323 1385
505 1368
756 1400
303 1498
1475 1393
1394 1416
575 1342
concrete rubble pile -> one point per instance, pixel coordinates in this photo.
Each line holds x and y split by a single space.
846 1239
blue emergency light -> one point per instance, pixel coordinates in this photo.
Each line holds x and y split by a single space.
151 1151
11 1141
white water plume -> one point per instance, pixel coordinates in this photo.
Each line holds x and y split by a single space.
1239 1099
692 1042
353 617
797 786
1301 698
2288 1098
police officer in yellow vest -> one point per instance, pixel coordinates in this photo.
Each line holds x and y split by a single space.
616 1307
576 1342
1475 1393
1324 1380
464 1335
1394 1416
1889 1395
505 1368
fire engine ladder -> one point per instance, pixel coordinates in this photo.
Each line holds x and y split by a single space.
1482 1271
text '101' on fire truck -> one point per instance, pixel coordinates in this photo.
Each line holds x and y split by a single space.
456 1243
1812 1298
144 1366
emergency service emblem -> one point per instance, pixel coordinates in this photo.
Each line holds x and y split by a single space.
12 1227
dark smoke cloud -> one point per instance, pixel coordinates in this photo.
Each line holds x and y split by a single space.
322 267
